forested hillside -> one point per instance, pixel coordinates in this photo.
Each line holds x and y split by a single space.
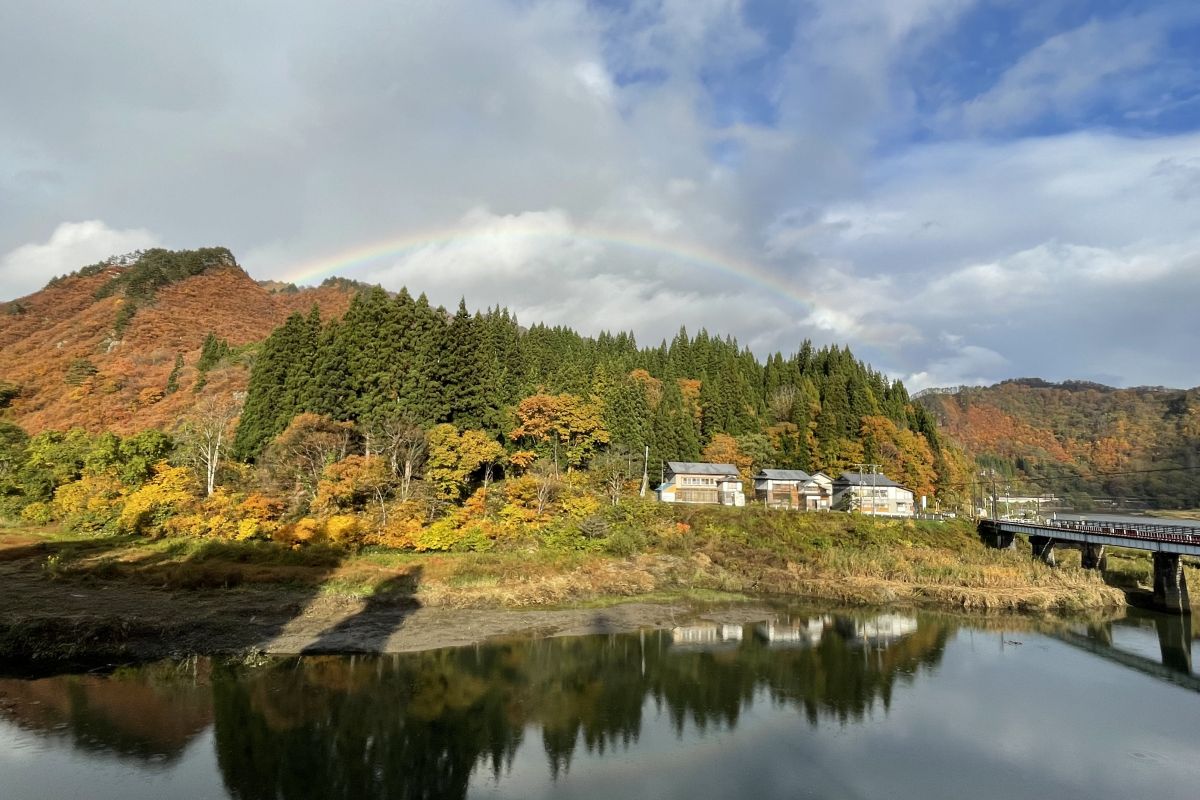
1082 440
168 393
117 345
393 359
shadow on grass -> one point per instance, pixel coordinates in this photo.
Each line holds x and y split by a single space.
118 600
369 630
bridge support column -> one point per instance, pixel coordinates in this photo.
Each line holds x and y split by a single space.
1102 633
1043 548
1092 556
1175 642
1170 586
994 537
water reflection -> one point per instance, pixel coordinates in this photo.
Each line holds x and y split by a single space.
1171 660
428 725
144 715
417 725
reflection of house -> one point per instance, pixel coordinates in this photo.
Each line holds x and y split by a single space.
693 482
791 632
794 488
884 629
706 635
872 493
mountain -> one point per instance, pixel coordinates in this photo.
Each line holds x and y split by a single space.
96 349
1140 446
136 342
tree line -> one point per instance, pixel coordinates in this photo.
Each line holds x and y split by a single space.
395 358
401 424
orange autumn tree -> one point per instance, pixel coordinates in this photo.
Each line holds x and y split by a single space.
903 456
724 449
572 427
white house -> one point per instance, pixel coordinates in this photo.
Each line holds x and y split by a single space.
794 488
872 493
695 482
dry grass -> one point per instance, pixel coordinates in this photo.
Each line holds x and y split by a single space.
723 551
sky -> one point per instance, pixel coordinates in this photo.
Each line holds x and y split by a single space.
962 191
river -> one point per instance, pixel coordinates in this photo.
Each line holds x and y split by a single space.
813 702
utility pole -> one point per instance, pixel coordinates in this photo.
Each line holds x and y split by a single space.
994 494
861 482
873 487
646 472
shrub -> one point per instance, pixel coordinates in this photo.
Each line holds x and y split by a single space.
303 531
344 530
37 513
92 503
625 542
167 494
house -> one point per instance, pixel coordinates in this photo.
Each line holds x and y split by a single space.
694 482
872 493
794 488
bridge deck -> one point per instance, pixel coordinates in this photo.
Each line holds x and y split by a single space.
1179 539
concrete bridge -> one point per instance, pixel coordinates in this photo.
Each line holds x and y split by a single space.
1165 542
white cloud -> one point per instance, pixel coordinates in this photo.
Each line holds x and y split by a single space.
541 134
71 246
963 365
1067 72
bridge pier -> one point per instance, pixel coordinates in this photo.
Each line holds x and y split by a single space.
1043 548
994 537
1175 642
1092 556
1102 633
1170 585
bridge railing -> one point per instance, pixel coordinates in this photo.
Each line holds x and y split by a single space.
1181 534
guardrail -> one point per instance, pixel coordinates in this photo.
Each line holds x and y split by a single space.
1178 534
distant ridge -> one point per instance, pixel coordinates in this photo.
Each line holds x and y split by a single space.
1135 445
98 348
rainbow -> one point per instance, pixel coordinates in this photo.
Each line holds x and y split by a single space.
683 252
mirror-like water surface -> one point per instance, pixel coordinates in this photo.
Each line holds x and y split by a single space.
815 703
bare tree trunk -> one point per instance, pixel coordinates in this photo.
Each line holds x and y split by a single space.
204 434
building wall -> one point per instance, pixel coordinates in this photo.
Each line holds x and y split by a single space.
703 489
779 493
888 500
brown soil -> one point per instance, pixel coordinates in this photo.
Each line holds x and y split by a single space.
43 619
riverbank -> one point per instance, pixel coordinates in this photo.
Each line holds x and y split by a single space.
112 598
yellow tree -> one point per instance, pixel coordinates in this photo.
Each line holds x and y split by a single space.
724 449
300 454
353 482
455 458
571 426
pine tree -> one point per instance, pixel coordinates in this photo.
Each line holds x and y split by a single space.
461 368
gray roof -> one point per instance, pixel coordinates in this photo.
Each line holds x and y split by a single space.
867 479
783 474
700 468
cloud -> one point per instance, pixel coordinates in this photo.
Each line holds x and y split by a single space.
830 186
71 246
962 365
548 267
1070 71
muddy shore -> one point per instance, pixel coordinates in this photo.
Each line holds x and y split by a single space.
99 621
87 601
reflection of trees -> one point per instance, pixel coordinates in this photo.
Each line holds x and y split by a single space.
416 725
147 714
334 727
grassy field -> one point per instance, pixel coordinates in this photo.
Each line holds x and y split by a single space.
693 552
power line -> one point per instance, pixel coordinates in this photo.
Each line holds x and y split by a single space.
1085 476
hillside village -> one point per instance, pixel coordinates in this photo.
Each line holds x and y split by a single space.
720 484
